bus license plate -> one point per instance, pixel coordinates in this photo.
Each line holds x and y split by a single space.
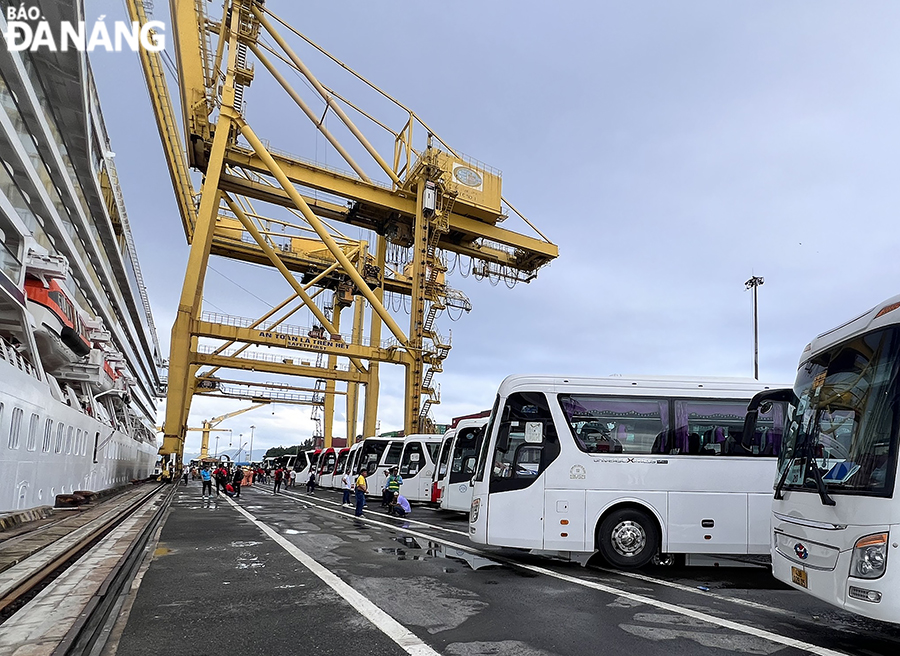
798 577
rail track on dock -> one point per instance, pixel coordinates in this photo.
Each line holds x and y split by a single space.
35 561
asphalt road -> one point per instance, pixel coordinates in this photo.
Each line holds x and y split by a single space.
298 574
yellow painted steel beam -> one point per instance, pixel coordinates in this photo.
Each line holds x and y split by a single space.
292 281
286 368
463 229
298 342
267 384
316 224
188 28
167 124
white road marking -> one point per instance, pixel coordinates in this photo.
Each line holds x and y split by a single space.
705 593
602 587
405 638
406 519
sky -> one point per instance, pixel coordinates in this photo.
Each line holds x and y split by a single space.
671 151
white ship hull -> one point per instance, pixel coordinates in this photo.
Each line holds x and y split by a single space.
31 474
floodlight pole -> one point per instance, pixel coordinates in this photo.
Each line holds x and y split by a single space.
250 458
754 283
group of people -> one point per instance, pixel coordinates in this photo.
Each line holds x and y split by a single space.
391 498
228 483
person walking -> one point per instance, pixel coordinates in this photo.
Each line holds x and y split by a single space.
278 476
346 488
292 478
206 479
236 480
311 483
391 487
185 473
361 488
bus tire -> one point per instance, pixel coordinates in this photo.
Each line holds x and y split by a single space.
628 538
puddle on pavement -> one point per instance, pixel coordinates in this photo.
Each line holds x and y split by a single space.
291 531
247 543
434 550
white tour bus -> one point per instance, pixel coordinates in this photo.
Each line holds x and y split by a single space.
631 467
416 466
451 486
836 514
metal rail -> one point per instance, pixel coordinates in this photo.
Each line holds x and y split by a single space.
33 581
102 609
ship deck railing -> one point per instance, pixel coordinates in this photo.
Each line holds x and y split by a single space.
11 354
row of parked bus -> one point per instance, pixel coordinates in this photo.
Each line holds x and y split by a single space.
434 468
644 469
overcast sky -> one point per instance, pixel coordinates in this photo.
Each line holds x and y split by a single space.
670 149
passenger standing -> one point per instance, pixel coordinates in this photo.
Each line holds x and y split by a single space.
221 475
279 474
311 483
206 478
391 487
236 480
293 477
346 487
185 472
361 488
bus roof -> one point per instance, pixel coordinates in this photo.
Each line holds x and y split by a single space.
880 316
634 384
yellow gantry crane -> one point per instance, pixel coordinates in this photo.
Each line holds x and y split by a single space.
210 425
426 200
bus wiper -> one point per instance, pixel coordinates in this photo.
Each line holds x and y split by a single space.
821 487
820 484
779 493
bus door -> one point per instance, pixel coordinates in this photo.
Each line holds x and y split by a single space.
417 466
301 465
526 443
442 470
457 494
327 461
389 458
340 467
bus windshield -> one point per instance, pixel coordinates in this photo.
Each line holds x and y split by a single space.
842 428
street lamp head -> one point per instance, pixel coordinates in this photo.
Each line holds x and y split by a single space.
755 281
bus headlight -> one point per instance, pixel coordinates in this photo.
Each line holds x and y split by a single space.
473 513
869 556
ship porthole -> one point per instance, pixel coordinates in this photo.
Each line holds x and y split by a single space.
41 494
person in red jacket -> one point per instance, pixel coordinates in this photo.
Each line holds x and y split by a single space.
279 476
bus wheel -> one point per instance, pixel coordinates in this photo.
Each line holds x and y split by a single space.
628 538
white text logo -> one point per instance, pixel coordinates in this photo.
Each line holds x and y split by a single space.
37 34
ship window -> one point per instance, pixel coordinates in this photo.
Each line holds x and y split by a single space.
57 298
31 442
78 437
15 425
60 431
48 435
96 445
69 435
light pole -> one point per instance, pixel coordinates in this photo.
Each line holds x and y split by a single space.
250 457
754 283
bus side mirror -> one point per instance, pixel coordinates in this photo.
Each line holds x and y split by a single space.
503 438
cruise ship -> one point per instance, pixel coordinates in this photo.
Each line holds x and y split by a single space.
79 357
